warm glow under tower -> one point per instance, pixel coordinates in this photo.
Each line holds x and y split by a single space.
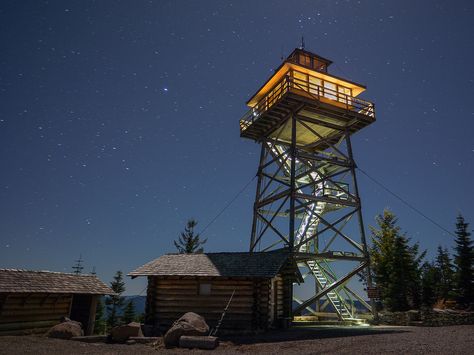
307 198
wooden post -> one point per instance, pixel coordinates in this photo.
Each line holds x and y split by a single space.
89 329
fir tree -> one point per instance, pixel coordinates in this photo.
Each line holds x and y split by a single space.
129 313
430 276
189 243
140 318
395 265
464 261
100 325
78 267
115 302
444 275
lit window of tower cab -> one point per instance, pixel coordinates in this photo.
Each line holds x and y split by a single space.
307 200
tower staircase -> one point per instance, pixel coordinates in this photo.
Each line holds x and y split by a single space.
307 229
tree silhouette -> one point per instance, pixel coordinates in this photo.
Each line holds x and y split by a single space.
464 261
188 242
100 325
395 264
430 277
115 302
129 313
444 275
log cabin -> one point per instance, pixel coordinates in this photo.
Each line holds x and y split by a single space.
260 282
34 301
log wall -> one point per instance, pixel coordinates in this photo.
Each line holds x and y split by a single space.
32 313
279 298
168 298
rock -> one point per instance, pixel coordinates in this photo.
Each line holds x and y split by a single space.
130 342
66 330
121 333
68 320
189 324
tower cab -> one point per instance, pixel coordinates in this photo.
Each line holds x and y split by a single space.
302 83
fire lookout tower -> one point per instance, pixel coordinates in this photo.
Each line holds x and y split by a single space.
307 199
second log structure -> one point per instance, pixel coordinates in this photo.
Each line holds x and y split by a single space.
203 283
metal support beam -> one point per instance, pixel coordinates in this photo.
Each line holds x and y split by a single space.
305 198
361 224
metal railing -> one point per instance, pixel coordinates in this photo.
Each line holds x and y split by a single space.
336 191
317 92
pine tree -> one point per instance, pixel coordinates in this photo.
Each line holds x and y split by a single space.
395 265
464 261
430 275
189 243
129 313
78 267
140 318
444 275
115 302
100 325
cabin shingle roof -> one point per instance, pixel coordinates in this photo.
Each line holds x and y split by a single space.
257 264
29 281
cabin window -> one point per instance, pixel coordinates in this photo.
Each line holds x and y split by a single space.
301 80
305 60
342 94
320 66
274 95
205 289
330 90
314 85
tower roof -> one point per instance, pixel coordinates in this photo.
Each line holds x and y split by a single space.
305 62
297 51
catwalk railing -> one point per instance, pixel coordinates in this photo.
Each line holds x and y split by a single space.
306 88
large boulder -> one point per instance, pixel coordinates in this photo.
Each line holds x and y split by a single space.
189 324
121 333
66 330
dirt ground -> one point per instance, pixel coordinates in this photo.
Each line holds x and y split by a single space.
308 340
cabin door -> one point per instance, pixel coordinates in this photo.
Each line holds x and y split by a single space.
82 311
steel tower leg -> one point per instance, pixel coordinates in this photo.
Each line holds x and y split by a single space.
304 199
361 224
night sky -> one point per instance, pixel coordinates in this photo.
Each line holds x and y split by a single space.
119 119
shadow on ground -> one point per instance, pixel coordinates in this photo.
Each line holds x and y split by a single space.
310 333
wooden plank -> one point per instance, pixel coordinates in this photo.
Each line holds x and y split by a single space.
207 278
27 331
204 279
35 312
36 306
27 325
89 327
195 287
171 318
30 318
224 293
208 298
194 282
197 309
177 287
207 315
37 296
15 307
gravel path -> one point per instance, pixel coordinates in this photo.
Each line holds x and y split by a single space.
311 340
